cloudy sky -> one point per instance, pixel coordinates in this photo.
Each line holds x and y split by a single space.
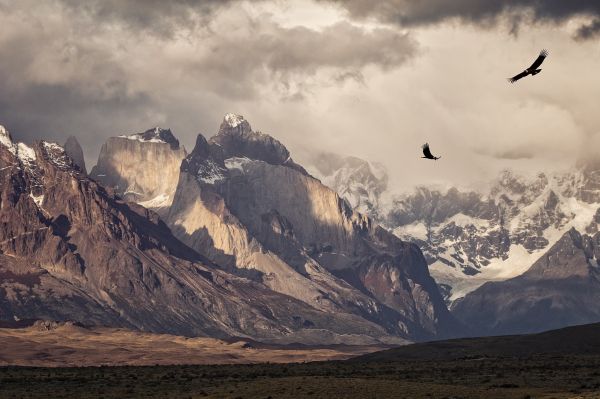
370 79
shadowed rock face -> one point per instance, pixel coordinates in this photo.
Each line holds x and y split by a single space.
562 288
74 151
247 206
72 250
142 167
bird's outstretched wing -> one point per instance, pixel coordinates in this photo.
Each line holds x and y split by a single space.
427 151
517 77
539 60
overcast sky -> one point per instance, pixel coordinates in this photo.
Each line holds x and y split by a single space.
370 79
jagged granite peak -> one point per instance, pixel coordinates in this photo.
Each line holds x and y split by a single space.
80 253
561 288
74 150
470 237
206 162
281 227
237 139
143 167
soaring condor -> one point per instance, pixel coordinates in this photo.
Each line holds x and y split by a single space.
533 69
427 153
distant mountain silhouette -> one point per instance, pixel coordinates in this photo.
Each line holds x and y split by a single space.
577 340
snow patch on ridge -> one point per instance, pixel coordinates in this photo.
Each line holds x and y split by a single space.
26 155
140 136
38 199
56 155
234 120
416 230
237 163
136 137
160 201
6 140
210 172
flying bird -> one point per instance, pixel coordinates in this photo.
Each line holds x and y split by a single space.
427 153
533 69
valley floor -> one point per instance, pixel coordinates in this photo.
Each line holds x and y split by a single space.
536 377
74 346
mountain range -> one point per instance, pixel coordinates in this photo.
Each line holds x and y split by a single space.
234 239
517 257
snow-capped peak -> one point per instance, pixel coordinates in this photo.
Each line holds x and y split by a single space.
25 153
6 140
233 120
154 135
56 154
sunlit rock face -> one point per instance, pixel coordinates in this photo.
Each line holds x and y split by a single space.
242 201
142 167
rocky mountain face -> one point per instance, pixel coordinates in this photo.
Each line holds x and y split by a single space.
142 167
75 152
245 204
257 248
529 244
561 288
471 237
359 182
72 250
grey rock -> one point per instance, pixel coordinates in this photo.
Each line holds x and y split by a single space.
74 150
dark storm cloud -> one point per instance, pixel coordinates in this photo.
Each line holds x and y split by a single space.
485 12
157 17
241 64
589 31
54 112
98 68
